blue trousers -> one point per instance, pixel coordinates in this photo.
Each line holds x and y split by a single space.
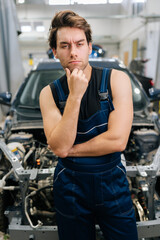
86 196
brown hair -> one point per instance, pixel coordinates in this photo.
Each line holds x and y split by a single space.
68 18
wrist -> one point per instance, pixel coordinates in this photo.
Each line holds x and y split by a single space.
74 98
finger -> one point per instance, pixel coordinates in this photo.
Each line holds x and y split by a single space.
68 73
80 72
75 71
83 75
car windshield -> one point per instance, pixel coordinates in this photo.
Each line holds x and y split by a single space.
38 79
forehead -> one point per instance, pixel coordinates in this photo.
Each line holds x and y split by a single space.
68 34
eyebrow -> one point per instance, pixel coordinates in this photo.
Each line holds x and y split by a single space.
81 40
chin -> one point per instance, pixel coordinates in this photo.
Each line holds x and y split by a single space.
77 67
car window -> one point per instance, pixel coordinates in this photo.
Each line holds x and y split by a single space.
140 100
34 85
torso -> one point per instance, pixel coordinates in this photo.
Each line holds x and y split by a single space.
94 113
90 103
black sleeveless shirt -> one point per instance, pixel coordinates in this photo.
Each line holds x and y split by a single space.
90 102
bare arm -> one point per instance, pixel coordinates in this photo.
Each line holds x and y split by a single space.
61 130
119 123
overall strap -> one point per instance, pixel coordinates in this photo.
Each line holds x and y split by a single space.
103 92
61 96
104 81
59 90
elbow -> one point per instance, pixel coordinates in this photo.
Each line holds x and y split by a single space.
58 151
121 145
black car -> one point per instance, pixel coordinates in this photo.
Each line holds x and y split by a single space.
27 165
26 103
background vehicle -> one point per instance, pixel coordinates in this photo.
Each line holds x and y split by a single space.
147 83
27 165
97 51
137 67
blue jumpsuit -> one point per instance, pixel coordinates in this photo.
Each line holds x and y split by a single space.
93 190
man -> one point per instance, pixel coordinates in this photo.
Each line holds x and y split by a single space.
87 132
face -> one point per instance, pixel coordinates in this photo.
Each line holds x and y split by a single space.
72 48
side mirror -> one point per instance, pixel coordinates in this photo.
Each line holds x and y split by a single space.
5 98
154 94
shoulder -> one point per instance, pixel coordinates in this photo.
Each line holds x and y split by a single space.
45 93
119 74
50 88
119 79
120 83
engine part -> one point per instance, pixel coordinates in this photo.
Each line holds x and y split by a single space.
146 140
18 149
22 137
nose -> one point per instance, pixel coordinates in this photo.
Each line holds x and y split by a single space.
73 50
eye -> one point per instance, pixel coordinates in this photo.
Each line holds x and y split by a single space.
80 44
64 46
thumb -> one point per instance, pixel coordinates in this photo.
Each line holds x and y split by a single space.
68 73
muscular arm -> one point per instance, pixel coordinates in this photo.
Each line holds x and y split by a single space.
119 123
61 130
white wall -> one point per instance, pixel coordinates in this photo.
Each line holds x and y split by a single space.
153 52
146 29
153 7
132 29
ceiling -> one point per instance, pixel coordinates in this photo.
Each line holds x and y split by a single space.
105 19
33 12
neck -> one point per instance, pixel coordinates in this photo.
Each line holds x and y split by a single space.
88 71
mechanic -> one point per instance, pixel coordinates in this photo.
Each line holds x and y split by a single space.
87 116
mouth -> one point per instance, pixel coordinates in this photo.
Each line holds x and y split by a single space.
74 62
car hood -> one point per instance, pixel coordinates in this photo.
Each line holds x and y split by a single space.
26 118
25 125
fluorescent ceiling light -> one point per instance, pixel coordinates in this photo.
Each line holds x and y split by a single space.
59 2
20 1
26 28
115 1
89 1
40 28
139 1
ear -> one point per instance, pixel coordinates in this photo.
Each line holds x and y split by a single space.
54 52
90 48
